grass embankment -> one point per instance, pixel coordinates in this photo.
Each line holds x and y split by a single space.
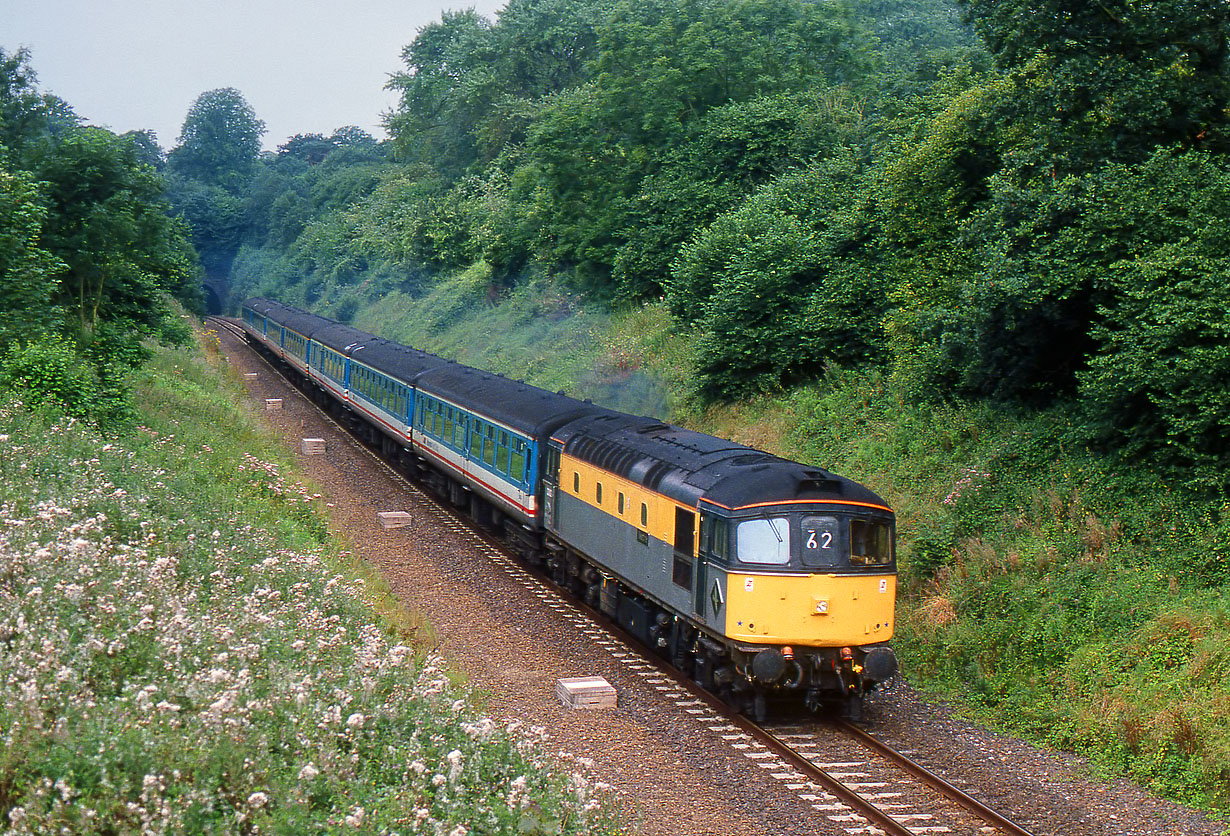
1048 590
184 649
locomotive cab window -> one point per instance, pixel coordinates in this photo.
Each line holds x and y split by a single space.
820 543
764 541
871 543
715 537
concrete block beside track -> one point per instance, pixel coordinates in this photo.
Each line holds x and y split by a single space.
585 692
393 519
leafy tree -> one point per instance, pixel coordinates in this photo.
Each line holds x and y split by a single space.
545 45
28 117
148 151
219 142
786 284
88 253
28 273
215 220
445 91
1109 80
311 148
48 372
1000 288
1158 382
730 152
109 225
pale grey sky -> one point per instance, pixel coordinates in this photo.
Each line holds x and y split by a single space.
305 66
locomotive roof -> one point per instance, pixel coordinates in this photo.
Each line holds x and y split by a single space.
516 404
689 466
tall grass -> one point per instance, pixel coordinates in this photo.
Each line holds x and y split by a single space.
183 651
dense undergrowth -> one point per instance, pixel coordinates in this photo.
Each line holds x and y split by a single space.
185 649
1071 598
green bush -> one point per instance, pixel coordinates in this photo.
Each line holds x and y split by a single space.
785 285
51 372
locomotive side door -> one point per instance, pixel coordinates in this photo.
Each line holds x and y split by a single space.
550 481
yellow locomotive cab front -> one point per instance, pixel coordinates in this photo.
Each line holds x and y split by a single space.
819 610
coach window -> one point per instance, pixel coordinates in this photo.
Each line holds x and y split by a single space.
476 440
501 454
489 446
448 424
459 431
518 462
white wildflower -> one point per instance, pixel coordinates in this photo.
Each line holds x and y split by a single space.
258 799
308 772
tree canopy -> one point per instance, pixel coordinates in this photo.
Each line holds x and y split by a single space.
918 188
89 257
219 142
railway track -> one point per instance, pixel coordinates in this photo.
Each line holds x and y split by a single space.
846 775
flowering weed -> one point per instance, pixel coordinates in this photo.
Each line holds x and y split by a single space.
178 654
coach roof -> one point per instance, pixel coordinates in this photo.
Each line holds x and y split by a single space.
396 360
516 404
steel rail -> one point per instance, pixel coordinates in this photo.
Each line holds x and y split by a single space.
952 793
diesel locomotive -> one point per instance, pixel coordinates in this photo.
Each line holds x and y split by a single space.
763 579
